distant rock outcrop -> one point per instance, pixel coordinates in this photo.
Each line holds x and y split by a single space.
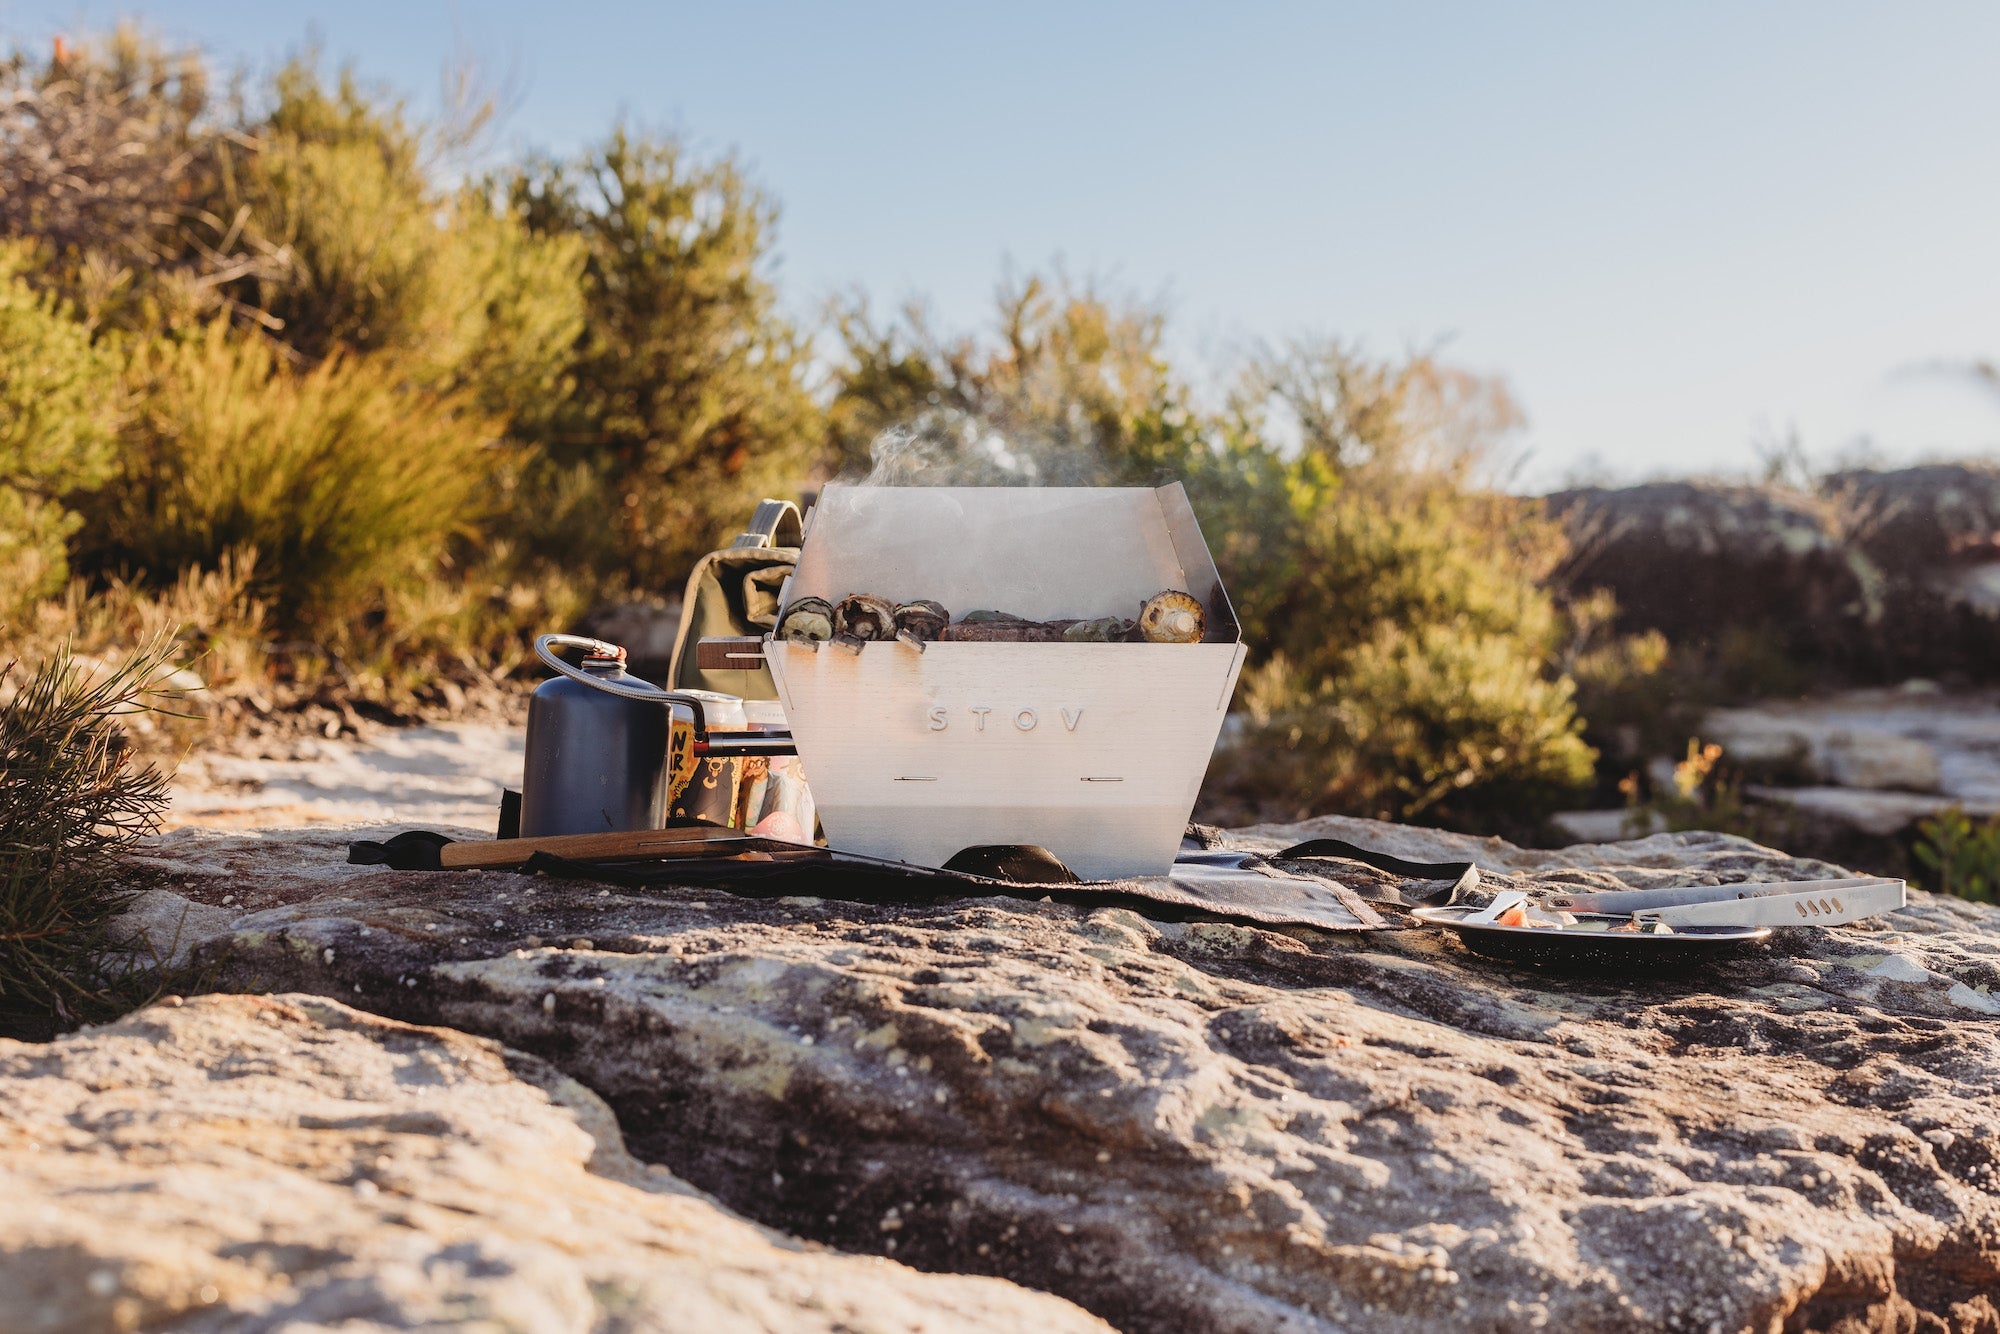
1878 575
1177 1125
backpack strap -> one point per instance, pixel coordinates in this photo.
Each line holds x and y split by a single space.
775 527
1464 876
766 524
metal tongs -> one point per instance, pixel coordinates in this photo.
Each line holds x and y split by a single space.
1763 903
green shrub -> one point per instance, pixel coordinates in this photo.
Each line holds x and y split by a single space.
689 400
1962 855
378 258
112 159
58 419
342 480
71 800
1414 650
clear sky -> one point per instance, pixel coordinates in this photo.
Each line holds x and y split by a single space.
1675 229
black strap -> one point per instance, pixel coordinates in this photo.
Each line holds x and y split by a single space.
1464 876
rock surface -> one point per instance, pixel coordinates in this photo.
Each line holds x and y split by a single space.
252 1163
1869 763
1699 560
1199 1125
443 773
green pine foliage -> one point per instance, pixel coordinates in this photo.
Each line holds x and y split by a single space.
71 799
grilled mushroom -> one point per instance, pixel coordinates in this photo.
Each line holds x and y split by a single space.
922 619
807 620
1010 631
986 617
1172 617
863 616
1103 630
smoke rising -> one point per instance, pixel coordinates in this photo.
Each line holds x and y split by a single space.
952 447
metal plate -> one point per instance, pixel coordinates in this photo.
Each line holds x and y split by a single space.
1593 951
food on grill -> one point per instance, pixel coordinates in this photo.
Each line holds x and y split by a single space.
922 619
1103 630
806 621
1010 631
1523 914
1172 617
865 617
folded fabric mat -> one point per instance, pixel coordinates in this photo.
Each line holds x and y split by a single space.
1294 886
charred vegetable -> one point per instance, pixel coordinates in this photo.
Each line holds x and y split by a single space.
806 621
1172 617
986 617
922 619
861 616
1010 631
1103 630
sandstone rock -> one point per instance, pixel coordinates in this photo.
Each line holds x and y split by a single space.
1202 1125
285 1162
1817 743
1700 560
1879 575
1879 760
1881 815
1912 520
1766 743
1603 826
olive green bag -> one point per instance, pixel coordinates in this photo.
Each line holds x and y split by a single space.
734 592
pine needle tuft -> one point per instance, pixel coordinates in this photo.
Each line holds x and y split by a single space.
72 799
